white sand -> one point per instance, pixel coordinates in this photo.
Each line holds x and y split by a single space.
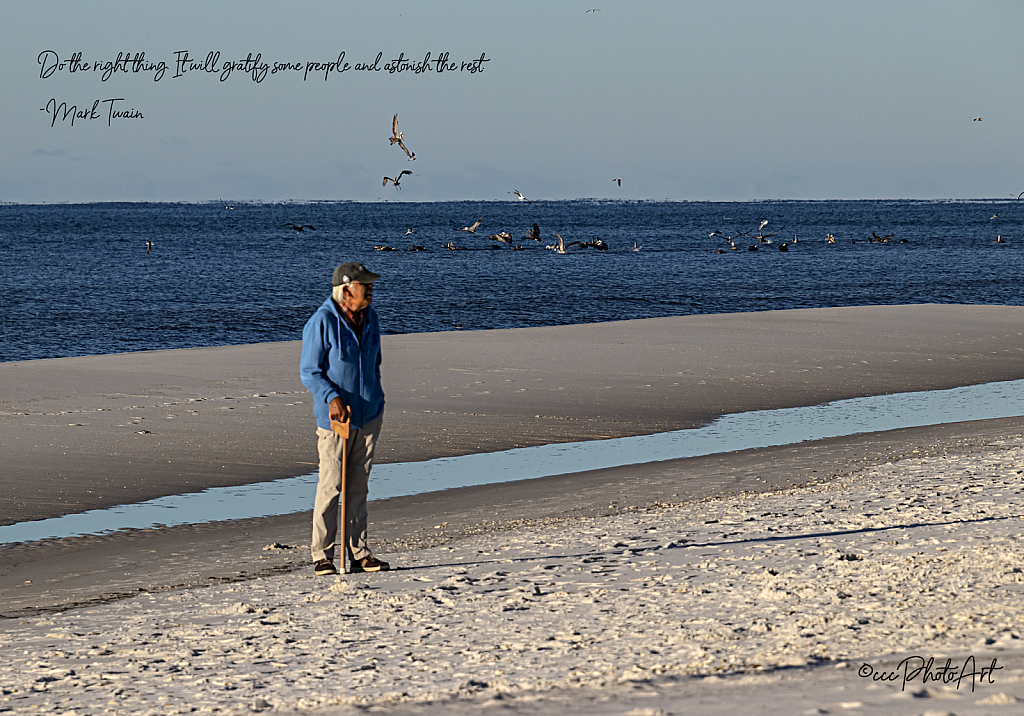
760 604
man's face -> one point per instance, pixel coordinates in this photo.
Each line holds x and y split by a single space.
358 296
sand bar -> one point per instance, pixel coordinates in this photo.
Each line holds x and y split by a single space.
91 432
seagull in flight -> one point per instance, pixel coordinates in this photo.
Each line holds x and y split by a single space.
764 223
977 119
300 229
149 246
617 181
473 227
397 137
396 179
521 197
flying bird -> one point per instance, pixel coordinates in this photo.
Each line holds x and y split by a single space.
149 246
533 234
977 119
397 137
992 217
764 223
472 227
596 9
300 229
521 197
617 181
396 179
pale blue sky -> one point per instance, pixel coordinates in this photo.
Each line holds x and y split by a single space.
681 100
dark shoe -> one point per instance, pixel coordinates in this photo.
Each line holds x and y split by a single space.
369 564
324 566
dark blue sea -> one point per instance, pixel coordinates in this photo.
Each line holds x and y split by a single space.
79 279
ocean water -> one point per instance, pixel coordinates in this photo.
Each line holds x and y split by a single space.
78 279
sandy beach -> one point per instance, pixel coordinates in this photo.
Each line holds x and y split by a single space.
776 580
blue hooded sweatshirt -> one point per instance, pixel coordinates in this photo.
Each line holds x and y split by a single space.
334 364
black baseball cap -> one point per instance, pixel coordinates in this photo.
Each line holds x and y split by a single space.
353 272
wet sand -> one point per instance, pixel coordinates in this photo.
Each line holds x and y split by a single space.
92 432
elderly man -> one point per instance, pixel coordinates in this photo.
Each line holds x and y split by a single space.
341 367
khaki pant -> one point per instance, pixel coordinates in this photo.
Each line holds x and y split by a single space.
361 444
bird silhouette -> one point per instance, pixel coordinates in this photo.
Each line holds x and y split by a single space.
533 234
300 229
396 179
617 181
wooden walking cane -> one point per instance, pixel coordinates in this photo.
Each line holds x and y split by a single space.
341 428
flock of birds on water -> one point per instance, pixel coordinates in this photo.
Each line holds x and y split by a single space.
560 246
